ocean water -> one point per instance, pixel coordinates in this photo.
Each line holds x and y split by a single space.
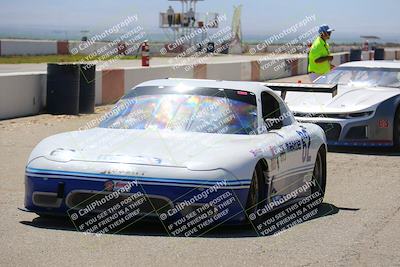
160 36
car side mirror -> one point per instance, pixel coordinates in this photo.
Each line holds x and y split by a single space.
273 124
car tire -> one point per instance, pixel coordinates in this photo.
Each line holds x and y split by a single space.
257 191
396 130
319 173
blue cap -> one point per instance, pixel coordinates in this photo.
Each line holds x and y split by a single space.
325 28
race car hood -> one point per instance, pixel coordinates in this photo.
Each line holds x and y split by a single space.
195 151
348 99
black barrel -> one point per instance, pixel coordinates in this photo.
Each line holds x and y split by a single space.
87 88
210 47
63 89
355 54
379 54
225 49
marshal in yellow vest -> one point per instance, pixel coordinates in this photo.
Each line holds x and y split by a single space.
319 49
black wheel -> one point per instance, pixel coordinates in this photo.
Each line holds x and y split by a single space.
396 130
257 192
319 174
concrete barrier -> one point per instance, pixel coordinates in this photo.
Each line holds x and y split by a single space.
21 94
263 66
337 59
233 71
390 54
24 94
62 47
302 66
367 55
397 55
134 76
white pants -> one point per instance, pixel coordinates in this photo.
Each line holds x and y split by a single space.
313 76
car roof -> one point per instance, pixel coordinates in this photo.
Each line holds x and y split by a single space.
390 64
254 87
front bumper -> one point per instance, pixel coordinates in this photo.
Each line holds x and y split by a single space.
360 132
83 194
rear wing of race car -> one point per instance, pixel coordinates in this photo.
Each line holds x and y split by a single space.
301 87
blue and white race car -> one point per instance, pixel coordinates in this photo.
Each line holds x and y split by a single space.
174 146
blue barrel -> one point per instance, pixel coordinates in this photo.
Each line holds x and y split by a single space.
62 89
355 54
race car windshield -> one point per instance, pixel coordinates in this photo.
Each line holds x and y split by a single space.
362 77
206 110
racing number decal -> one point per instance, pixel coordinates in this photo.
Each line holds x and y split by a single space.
306 144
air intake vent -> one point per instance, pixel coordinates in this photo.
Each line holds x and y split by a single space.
355 133
46 199
332 130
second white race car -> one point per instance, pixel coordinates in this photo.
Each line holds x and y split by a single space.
363 111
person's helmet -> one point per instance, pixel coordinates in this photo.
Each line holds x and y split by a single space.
325 28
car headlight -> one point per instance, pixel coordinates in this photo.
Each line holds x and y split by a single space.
335 115
61 155
358 114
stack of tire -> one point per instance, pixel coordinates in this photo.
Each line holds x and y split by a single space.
70 88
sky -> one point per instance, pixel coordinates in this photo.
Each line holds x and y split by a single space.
259 17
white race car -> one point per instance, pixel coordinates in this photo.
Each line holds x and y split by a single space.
364 110
181 145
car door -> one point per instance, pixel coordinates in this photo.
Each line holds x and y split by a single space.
290 150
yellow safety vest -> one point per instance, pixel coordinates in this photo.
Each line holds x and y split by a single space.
319 49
